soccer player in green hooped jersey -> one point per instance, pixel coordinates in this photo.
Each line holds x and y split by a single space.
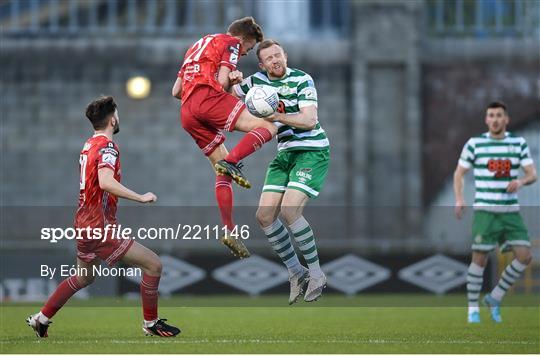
298 171
496 157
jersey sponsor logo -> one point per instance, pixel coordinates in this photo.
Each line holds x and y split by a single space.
108 150
235 50
310 93
233 58
190 69
109 158
501 167
304 175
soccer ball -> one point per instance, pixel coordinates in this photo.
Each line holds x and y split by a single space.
262 101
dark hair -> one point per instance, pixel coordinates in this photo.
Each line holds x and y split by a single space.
100 110
247 28
497 104
265 44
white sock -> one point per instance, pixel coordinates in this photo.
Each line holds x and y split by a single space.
42 318
474 284
150 323
279 239
303 235
510 274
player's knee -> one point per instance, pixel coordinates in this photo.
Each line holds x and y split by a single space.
479 258
270 127
154 266
525 258
290 214
264 216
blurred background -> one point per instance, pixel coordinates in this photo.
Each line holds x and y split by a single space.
402 85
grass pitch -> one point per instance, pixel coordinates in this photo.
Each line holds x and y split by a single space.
335 324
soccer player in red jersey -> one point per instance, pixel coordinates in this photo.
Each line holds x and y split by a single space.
100 189
203 85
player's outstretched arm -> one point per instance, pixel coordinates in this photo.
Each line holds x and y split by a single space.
111 185
306 119
529 178
458 190
177 89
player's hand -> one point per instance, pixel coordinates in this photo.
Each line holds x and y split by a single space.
459 209
148 198
514 186
272 117
235 77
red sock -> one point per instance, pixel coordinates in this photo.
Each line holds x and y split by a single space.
149 296
250 143
63 292
224 197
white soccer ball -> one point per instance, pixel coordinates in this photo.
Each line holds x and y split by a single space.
262 101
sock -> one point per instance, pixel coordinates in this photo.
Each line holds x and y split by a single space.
224 197
42 318
279 239
512 272
303 235
149 296
250 143
474 286
61 295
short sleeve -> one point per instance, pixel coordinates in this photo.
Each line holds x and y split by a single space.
231 51
307 94
466 159
525 158
108 155
242 88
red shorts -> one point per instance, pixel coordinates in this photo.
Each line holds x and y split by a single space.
206 112
110 250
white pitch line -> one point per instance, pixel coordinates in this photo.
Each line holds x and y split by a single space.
284 341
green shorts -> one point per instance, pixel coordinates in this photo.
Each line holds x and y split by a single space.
504 229
301 170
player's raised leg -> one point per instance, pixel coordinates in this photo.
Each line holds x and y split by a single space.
65 290
279 239
509 276
259 132
475 277
149 262
292 207
225 200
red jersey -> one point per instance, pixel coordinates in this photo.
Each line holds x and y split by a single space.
97 207
203 59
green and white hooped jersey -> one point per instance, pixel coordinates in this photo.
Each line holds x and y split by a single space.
296 90
496 163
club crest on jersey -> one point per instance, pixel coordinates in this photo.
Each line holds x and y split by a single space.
478 239
284 90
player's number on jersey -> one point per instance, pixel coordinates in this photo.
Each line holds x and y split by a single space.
198 49
501 167
83 159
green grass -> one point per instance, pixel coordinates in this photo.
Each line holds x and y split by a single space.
335 324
